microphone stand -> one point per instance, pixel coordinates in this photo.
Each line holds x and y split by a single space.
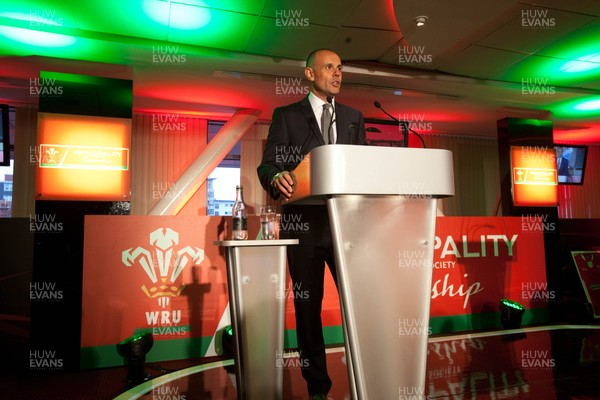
403 126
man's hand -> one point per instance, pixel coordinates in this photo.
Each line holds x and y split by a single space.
285 183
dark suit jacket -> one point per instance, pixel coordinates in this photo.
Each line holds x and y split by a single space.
563 170
294 132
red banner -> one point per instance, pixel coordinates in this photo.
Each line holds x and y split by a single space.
158 273
164 274
480 260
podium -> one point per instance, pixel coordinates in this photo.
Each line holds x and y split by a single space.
256 274
382 204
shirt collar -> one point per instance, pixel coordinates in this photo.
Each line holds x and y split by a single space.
316 103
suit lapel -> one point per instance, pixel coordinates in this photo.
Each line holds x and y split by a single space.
312 120
342 122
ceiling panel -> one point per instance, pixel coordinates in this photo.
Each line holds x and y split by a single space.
367 15
314 12
221 29
451 25
574 60
147 19
520 36
363 44
579 43
296 43
242 6
589 7
481 62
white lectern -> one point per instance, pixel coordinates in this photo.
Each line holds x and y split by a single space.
256 275
382 204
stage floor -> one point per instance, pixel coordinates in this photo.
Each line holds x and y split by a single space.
546 363
559 362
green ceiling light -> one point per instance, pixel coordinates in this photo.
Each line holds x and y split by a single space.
590 105
37 38
585 63
184 17
178 16
33 19
156 11
576 108
573 60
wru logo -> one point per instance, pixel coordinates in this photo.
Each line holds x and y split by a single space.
163 242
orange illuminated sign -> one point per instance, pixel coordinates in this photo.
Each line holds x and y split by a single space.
534 176
83 158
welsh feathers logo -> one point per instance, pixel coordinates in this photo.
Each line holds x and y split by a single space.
165 257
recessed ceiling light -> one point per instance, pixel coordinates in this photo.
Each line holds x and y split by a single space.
420 20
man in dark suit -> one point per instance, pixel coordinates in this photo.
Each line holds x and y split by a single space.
295 130
562 165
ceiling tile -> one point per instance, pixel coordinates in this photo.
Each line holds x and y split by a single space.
480 62
221 29
363 44
373 15
294 42
147 19
323 12
531 29
590 7
242 6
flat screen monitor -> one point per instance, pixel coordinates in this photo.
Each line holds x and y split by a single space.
83 158
570 163
4 136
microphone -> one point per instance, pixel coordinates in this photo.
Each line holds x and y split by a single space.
403 125
329 132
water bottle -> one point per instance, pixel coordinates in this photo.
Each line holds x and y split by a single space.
240 216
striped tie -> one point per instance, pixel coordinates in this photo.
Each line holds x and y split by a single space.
326 124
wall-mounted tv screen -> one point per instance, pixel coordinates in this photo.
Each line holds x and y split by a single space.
83 158
570 163
4 136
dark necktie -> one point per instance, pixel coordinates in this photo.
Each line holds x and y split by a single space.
326 124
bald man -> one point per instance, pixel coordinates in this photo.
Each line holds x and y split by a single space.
295 130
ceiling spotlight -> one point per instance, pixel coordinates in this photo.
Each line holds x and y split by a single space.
420 20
